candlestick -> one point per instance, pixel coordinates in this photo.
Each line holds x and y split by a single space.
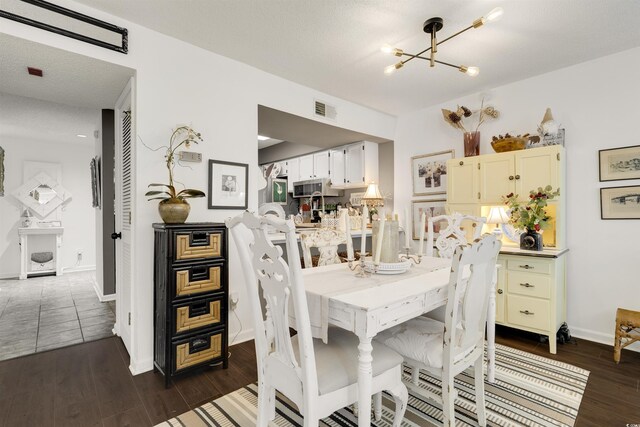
363 236
407 227
347 222
376 259
423 218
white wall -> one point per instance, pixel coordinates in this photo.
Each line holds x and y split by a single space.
32 130
180 83
598 102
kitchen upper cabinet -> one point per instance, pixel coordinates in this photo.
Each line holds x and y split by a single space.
518 172
305 164
338 167
321 164
359 167
462 184
293 172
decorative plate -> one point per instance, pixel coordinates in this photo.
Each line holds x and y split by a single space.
388 267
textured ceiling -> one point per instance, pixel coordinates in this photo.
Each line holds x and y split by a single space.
68 78
333 45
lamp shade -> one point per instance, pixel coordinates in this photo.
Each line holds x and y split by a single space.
372 196
497 215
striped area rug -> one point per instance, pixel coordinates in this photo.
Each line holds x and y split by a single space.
529 391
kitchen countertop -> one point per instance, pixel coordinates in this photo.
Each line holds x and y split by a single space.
544 253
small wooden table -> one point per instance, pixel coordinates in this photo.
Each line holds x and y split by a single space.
627 331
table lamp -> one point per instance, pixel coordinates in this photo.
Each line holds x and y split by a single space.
372 197
497 216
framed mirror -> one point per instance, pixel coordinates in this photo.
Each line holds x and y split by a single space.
42 194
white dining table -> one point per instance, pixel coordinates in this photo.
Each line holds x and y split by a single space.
367 306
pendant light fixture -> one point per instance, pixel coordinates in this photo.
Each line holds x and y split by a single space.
432 26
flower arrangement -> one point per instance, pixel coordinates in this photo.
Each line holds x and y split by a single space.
456 118
183 135
530 215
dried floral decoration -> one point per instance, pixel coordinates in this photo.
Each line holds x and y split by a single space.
532 215
455 118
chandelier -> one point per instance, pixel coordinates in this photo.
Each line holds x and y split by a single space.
432 26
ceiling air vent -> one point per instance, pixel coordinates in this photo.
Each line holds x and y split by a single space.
325 110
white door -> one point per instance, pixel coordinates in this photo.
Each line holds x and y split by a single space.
355 164
337 168
306 167
124 177
321 165
293 173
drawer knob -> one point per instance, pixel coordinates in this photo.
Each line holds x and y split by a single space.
517 176
510 177
526 266
527 312
500 291
461 163
527 285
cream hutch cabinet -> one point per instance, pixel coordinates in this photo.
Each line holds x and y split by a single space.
531 284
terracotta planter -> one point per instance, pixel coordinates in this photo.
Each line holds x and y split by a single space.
471 143
174 211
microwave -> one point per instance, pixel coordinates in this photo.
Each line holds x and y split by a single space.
321 186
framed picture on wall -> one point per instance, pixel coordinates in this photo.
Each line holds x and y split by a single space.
429 173
431 208
279 191
620 202
228 185
619 163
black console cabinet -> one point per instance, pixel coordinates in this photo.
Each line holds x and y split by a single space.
191 297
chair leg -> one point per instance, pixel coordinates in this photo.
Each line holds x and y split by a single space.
266 405
617 344
377 406
479 382
400 397
448 402
310 420
415 375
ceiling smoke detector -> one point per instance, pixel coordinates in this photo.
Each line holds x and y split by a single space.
34 71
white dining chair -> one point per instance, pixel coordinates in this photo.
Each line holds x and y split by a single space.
319 378
326 240
452 234
273 209
446 349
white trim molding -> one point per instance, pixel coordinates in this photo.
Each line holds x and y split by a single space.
600 337
101 297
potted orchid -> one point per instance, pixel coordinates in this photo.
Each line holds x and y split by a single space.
173 206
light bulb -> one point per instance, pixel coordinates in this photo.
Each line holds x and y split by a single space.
494 15
391 68
472 71
385 48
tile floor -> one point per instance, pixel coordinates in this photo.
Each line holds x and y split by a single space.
43 313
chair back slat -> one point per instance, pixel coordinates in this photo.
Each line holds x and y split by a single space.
264 266
327 241
472 274
452 234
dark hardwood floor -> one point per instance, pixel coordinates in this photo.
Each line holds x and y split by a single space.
90 385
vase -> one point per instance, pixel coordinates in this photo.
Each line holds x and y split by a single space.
531 240
471 143
174 211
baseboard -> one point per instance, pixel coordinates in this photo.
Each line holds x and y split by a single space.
140 367
599 337
78 268
9 276
102 298
246 335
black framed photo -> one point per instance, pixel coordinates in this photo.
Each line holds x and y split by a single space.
429 173
620 202
228 185
617 164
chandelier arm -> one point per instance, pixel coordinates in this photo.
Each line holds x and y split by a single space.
456 34
448 64
417 55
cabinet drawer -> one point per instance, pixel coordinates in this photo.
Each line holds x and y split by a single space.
196 245
199 314
530 265
197 350
528 312
194 280
529 284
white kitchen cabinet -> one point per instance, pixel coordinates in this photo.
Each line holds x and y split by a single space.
360 165
338 167
305 164
293 172
321 164
531 291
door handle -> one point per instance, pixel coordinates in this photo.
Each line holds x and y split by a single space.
527 285
510 177
500 291
527 312
517 176
115 236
